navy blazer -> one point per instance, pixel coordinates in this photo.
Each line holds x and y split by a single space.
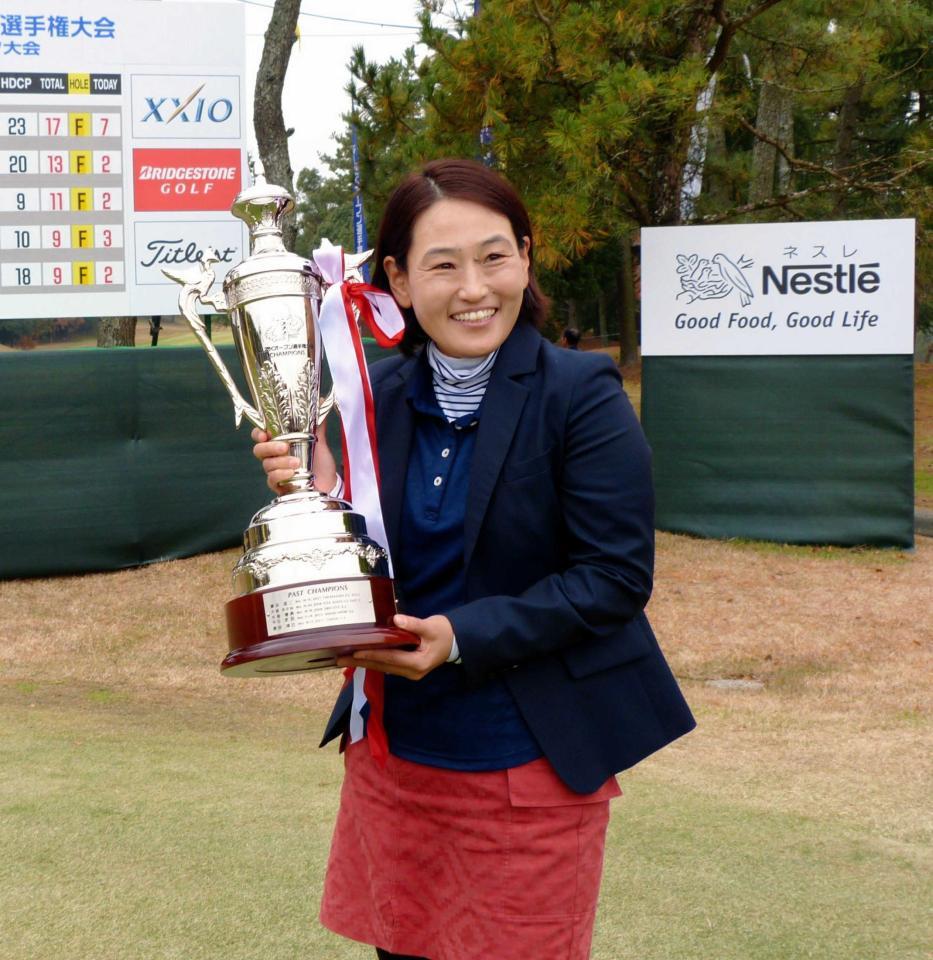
558 552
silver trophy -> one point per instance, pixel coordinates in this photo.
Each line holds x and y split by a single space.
311 585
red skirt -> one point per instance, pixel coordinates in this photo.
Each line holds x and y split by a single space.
452 865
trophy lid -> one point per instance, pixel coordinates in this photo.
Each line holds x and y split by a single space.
263 207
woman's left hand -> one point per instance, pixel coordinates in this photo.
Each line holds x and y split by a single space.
435 636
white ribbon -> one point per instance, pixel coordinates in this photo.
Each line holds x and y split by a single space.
353 392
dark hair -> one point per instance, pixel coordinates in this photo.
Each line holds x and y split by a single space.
572 336
456 180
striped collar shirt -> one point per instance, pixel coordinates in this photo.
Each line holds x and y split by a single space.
459 382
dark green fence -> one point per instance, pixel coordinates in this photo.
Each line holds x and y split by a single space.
794 449
113 458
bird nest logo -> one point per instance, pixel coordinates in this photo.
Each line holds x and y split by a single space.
702 279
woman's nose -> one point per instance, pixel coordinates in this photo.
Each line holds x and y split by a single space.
473 283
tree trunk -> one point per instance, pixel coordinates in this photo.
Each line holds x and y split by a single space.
845 128
116 332
715 186
667 189
845 136
628 326
268 122
764 156
784 173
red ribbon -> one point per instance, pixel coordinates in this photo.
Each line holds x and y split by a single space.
356 295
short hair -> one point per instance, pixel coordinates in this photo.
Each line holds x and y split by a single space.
455 180
572 335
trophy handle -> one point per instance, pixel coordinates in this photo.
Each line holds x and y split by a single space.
195 289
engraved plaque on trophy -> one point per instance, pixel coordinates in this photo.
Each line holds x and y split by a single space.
311 584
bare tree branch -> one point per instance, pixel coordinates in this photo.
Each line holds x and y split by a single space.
755 12
876 187
729 28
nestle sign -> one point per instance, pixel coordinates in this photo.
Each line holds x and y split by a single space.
842 287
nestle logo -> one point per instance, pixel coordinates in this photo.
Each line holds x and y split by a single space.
822 278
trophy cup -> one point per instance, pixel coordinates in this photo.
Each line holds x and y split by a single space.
311 585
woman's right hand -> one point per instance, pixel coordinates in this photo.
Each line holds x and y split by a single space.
280 467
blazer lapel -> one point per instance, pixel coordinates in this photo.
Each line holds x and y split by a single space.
502 408
394 427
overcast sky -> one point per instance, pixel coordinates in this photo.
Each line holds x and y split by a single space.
314 96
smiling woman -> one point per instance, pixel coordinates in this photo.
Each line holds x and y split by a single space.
458 238
466 297
516 492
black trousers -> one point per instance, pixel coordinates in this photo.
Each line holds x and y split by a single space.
385 955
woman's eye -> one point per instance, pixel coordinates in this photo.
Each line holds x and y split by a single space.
443 266
495 257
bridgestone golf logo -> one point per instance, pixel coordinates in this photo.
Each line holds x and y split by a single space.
148 172
185 179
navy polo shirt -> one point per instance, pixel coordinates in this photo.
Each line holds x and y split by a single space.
442 720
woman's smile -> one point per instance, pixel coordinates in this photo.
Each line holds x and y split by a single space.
474 316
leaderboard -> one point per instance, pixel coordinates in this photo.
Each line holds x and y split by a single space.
61 183
122 148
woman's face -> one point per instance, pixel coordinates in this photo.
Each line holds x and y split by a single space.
465 277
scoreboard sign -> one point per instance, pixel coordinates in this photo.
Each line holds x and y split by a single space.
121 149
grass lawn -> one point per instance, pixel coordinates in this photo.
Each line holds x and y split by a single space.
151 809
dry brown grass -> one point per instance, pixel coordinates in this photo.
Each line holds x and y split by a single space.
148 631
840 640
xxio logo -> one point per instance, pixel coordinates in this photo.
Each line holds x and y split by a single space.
186 107
190 109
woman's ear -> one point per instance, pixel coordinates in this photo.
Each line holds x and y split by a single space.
398 281
523 253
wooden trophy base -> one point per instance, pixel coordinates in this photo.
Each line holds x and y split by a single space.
262 645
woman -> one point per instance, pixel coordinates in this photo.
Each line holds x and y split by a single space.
516 491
